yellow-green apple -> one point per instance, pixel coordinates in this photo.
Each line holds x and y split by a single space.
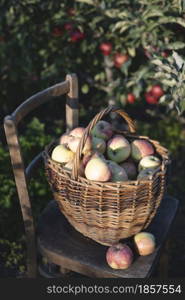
150 161
141 148
145 174
118 148
97 169
91 154
62 154
130 169
70 164
119 256
145 243
118 173
102 130
98 144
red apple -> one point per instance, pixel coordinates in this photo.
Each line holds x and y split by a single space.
130 169
76 36
120 59
119 256
157 91
145 243
106 48
150 98
68 26
131 98
165 53
57 32
141 148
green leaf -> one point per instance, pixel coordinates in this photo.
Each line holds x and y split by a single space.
121 25
131 51
170 83
178 59
182 105
153 13
176 45
91 2
111 13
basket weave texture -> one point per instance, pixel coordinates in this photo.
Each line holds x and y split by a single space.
107 212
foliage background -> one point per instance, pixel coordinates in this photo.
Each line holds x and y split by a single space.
37 49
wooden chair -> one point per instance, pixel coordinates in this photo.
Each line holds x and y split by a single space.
53 236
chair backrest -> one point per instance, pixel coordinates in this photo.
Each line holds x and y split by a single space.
69 87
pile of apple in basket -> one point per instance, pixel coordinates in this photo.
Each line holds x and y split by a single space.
109 157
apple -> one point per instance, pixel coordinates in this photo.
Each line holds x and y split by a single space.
91 154
150 98
77 132
119 256
98 144
165 53
62 154
106 48
118 173
74 142
68 26
145 174
131 98
157 91
149 161
141 148
144 243
118 148
120 59
102 130
97 169
130 169
77 36
75 137
64 139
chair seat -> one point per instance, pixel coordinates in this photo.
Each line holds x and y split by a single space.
64 246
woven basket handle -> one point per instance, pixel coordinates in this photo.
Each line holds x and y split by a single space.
88 129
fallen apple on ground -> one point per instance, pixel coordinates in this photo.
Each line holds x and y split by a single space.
144 243
119 256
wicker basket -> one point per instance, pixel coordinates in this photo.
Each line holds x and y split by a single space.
106 212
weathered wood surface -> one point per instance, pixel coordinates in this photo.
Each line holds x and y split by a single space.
72 110
22 190
63 245
69 87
